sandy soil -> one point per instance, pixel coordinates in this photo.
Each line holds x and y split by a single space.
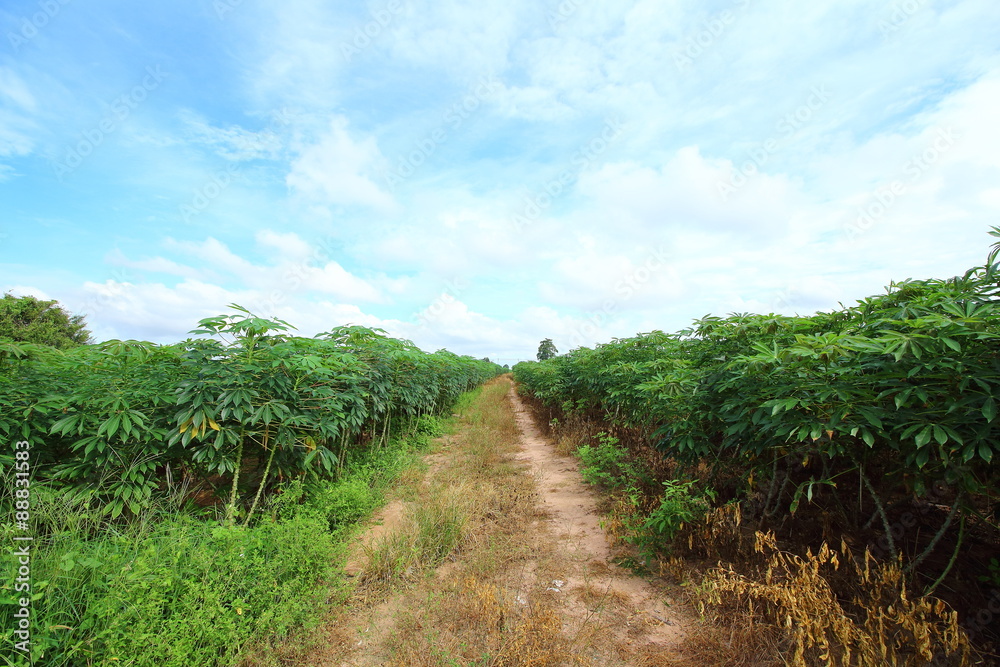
572 513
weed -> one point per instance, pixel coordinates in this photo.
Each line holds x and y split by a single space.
994 576
609 465
680 504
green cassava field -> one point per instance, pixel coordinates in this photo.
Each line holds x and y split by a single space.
186 500
835 473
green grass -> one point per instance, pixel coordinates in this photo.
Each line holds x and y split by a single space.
172 587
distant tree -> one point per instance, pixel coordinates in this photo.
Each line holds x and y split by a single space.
30 320
506 367
546 350
487 360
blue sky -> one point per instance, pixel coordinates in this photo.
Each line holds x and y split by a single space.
479 176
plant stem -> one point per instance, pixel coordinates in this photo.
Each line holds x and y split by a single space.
881 511
385 429
937 536
263 481
231 510
951 562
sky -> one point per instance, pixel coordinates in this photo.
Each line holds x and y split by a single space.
480 176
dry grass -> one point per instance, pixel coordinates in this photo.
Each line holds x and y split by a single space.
464 578
479 623
468 613
568 435
789 609
430 532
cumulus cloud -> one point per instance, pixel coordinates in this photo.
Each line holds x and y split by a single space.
295 272
337 169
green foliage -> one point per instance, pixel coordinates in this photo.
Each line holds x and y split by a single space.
993 578
31 320
170 587
608 464
108 422
430 426
299 435
902 386
546 350
680 504
172 590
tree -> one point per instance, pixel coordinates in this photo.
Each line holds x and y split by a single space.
31 320
546 350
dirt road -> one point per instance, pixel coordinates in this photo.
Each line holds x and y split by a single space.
530 582
571 508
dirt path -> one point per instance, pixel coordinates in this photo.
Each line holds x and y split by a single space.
529 583
575 522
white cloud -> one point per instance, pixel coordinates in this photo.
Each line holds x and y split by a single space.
15 90
27 290
452 325
150 311
673 178
296 52
289 245
338 169
689 191
466 41
234 142
293 267
17 128
153 265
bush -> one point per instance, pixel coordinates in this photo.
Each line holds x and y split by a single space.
680 504
609 465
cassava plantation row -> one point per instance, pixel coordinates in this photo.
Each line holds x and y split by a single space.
867 435
187 499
